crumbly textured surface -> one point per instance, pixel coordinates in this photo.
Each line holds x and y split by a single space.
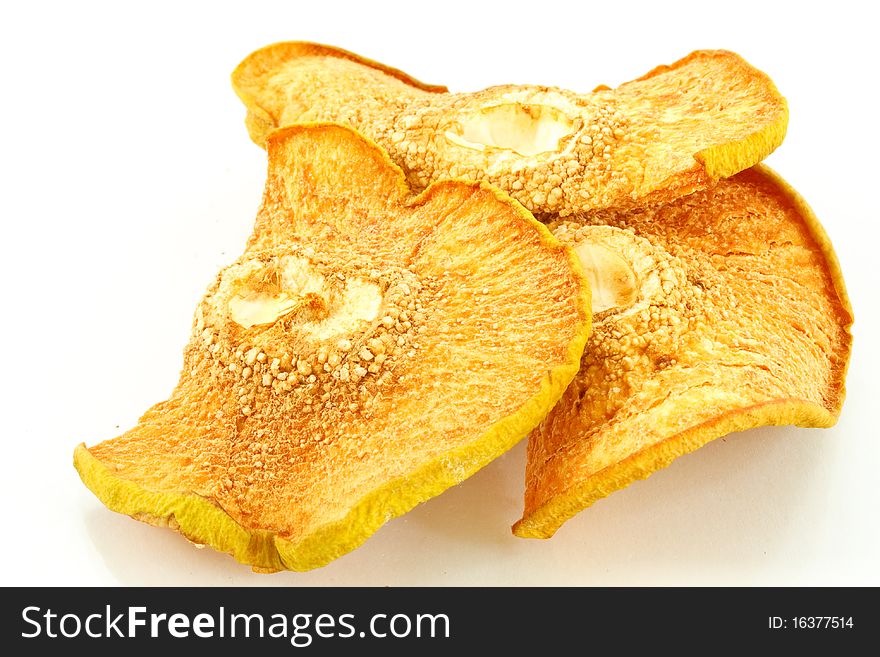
669 133
738 318
369 349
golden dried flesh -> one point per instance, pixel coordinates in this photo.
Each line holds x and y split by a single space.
723 311
368 350
671 132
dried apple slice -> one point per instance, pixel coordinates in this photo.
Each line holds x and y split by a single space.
723 311
673 131
370 349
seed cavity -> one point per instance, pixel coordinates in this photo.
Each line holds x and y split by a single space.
526 129
612 281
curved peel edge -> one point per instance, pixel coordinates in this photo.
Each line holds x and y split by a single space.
198 519
727 159
549 517
817 232
260 122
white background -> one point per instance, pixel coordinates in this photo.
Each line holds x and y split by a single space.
128 181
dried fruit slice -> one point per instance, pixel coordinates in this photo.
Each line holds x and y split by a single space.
723 311
675 130
368 350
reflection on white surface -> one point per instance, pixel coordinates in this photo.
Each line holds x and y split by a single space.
716 514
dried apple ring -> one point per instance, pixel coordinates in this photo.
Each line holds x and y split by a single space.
671 132
370 349
723 311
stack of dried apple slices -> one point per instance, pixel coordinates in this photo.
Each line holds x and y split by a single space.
399 318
